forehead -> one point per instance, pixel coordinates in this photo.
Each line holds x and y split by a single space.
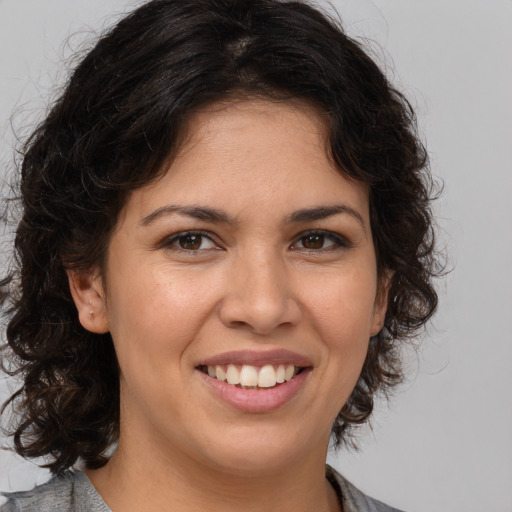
253 152
244 125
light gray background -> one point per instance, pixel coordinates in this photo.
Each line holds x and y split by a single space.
445 442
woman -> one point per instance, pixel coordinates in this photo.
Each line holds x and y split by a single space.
226 237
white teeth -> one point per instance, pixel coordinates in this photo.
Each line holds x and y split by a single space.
252 376
280 374
248 376
267 377
233 375
289 372
219 373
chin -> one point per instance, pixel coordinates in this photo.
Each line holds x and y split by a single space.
256 451
255 461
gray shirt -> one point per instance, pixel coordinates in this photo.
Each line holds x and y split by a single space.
73 492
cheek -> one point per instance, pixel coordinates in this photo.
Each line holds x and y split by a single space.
342 306
156 312
342 311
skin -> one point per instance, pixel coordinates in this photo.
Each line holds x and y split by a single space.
261 281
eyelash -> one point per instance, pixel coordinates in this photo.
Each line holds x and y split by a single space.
338 241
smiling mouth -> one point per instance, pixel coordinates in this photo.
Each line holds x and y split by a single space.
252 377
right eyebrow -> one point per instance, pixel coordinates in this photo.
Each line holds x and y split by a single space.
323 212
204 213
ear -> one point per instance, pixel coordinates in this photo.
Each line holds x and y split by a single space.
381 302
88 294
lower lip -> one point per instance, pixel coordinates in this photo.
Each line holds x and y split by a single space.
256 400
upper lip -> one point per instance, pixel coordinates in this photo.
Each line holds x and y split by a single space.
257 358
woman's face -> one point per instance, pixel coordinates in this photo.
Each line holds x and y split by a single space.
253 257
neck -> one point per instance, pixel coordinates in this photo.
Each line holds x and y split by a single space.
173 482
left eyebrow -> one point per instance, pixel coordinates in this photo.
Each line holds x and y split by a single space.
323 212
196 212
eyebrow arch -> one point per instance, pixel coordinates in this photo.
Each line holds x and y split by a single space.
196 212
323 212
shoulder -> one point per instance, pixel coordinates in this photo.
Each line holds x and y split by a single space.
71 492
352 498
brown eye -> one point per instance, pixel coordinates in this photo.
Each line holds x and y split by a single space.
190 242
313 241
320 241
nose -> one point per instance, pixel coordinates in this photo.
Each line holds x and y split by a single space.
259 296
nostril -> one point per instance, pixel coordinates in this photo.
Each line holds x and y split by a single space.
238 323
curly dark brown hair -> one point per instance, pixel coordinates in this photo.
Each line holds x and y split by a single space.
120 118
